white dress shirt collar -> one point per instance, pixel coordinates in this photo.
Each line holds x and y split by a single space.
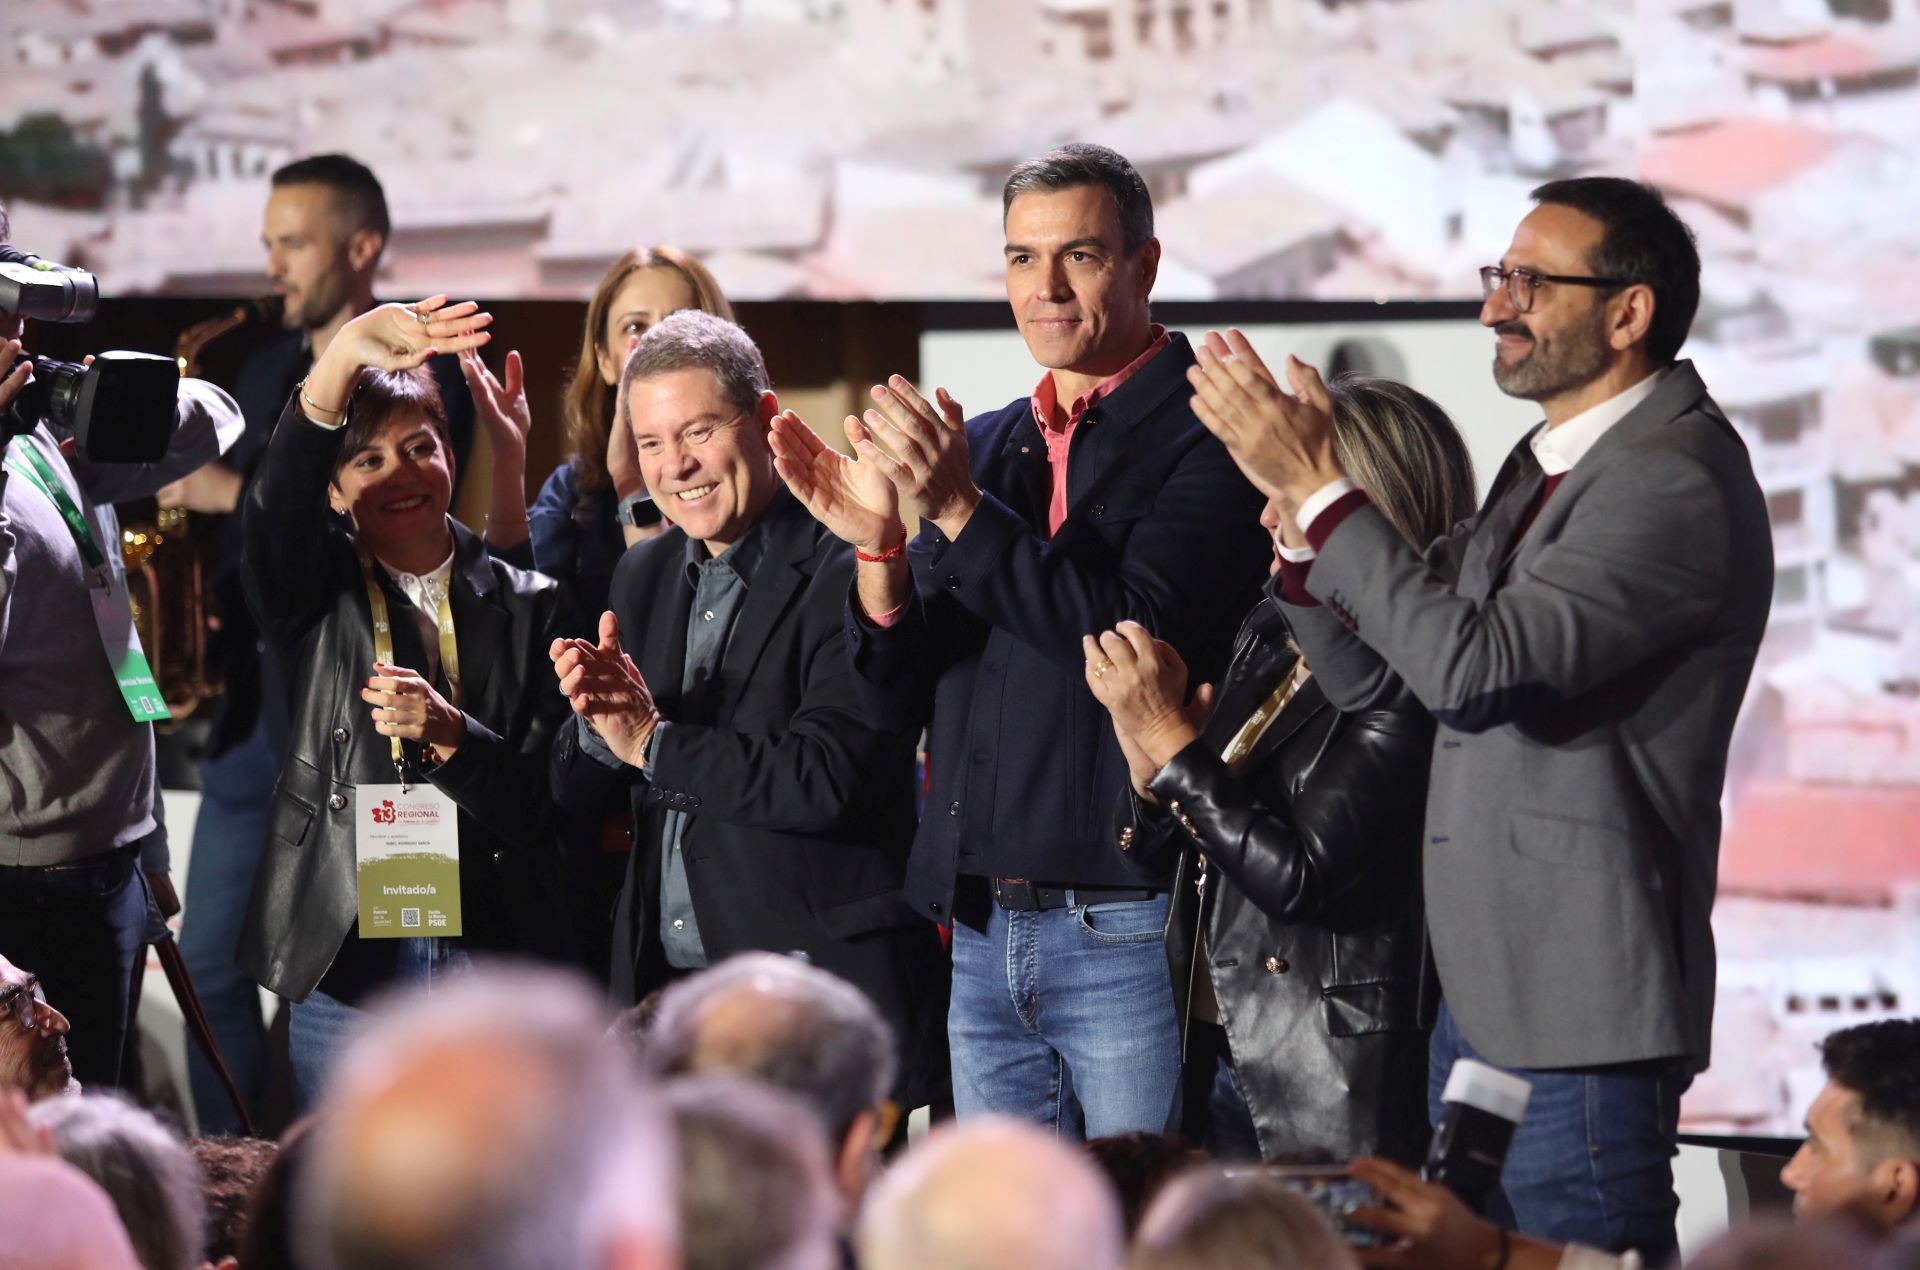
1558 449
425 590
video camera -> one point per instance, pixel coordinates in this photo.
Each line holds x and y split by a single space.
120 409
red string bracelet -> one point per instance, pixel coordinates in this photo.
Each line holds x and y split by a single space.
894 552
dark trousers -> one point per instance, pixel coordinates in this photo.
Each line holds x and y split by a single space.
79 928
1214 1113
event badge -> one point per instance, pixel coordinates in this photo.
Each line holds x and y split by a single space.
406 850
113 614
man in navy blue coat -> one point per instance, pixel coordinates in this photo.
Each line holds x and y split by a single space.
1098 499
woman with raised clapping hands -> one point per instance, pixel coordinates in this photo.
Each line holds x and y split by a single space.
450 695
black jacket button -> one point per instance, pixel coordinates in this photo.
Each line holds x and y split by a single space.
338 802
339 736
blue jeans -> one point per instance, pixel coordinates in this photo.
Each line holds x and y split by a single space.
1065 1018
321 1026
228 834
1592 1162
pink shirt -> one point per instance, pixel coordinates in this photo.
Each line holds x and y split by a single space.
1059 439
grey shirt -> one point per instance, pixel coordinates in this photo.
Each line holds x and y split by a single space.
720 584
76 770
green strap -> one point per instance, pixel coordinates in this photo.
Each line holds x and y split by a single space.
43 476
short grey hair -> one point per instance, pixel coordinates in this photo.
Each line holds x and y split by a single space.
831 1048
1214 1216
756 1183
692 340
144 1168
1079 163
593 1163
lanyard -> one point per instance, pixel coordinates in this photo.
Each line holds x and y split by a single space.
42 475
383 644
1257 724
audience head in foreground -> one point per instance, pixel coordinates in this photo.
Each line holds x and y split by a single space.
486 1126
145 1170
1140 1165
755 1189
992 1194
56 1218
797 1028
1862 1153
230 1169
1771 1242
1249 1219
33 1037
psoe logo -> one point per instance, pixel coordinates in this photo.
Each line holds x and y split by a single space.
384 814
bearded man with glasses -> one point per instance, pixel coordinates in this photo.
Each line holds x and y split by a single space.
1584 643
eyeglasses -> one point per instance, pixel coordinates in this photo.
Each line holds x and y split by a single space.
1523 284
23 1003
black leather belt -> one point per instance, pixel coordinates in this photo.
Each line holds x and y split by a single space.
1021 896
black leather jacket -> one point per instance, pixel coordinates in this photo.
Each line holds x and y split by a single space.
305 588
1305 868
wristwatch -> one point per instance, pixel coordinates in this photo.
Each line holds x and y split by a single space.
637 511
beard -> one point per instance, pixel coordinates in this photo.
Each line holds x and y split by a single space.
1559 365
318 303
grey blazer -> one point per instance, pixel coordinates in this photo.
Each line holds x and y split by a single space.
1585 679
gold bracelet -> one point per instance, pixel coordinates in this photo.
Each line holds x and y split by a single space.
315 406
508 520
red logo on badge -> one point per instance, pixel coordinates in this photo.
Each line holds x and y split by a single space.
384 814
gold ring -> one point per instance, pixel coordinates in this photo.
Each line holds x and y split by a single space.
1102 669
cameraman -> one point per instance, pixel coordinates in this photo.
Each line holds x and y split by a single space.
77 789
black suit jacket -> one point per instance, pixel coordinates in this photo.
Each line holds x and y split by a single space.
1160 528
802 807
307 593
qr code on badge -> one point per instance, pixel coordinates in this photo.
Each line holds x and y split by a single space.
409 918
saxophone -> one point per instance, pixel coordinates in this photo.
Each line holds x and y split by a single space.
168 562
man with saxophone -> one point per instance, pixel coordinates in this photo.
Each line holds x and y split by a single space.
325 230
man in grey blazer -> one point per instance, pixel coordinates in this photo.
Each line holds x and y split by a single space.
1584 642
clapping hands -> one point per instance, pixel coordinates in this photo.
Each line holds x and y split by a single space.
1283 443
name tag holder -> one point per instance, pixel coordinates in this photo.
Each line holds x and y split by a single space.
406 841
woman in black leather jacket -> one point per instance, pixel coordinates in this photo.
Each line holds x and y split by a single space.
475 725
1295 938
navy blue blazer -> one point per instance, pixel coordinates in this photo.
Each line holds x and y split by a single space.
1161 528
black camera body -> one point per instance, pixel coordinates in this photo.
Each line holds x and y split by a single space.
119 409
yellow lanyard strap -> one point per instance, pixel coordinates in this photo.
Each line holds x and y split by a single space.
383 642
1261 719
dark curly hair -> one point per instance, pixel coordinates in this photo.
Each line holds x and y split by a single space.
1643 242
1881 1063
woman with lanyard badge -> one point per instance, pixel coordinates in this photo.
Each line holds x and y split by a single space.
1295 937
411 821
